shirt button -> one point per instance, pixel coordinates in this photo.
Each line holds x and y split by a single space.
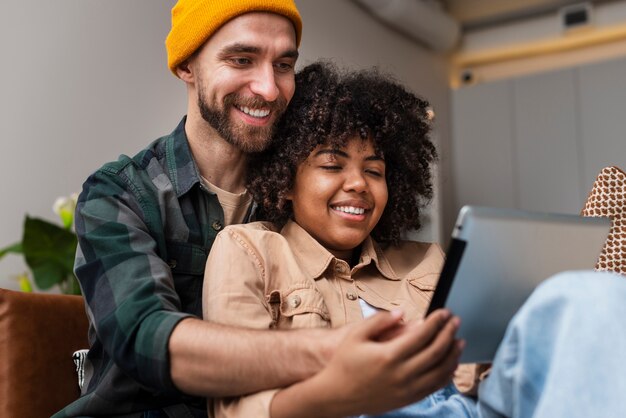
294 301
217 225
351 296
340 268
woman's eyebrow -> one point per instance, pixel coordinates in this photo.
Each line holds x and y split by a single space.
344 154
332 152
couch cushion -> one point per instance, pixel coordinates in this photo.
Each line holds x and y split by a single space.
608 199
38 334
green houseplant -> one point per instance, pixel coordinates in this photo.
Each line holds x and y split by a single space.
49 249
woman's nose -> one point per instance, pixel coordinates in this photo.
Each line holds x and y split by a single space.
355 181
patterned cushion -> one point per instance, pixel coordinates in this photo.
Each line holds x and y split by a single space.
608 199
80 360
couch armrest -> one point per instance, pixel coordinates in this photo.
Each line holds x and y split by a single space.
38 334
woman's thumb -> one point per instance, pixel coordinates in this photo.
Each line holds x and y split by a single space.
379 326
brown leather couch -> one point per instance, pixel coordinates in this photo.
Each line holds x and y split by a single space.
38 334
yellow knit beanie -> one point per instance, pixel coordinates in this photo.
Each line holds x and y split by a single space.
194 21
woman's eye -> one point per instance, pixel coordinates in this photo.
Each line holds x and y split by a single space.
331 167
374 173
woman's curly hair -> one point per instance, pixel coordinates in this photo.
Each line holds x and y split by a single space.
330 107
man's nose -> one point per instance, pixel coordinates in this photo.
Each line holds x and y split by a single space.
264 83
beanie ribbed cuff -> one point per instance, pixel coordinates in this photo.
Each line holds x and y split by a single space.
194 21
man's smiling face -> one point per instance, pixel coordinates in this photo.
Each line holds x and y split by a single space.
245 78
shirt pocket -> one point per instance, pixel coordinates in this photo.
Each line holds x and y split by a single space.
187 262
424 283
299 307
421 290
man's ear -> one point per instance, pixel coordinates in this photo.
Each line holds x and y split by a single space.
185 72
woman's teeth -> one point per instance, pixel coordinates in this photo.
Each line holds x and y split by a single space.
350 209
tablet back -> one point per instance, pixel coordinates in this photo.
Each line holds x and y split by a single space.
495 260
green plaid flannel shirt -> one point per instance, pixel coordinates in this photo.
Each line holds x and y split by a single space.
145 226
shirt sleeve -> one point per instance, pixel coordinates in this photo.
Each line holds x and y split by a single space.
234 294
468 376
128 288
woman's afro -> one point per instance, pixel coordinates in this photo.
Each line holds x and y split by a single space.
330 107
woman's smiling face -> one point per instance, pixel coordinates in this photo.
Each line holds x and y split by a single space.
340 194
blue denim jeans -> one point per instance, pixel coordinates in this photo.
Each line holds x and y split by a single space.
563 355
445 402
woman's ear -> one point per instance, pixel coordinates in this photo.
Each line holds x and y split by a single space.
284 199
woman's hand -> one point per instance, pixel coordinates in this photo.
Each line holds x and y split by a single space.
381 364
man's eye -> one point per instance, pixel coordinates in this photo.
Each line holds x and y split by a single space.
241 61
283 66
331 167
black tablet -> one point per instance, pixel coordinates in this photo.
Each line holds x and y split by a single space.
498 256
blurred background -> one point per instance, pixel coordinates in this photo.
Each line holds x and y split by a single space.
529 96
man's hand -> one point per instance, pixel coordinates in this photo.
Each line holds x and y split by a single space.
380 365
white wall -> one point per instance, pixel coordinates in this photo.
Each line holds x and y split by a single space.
83 81
545 137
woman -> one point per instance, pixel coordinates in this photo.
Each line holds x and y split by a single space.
346 177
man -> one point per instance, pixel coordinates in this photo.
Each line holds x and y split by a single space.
146 224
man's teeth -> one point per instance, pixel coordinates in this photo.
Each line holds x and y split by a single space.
257 113
350 209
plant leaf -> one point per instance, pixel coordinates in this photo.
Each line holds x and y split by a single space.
24 282
14 248
49 251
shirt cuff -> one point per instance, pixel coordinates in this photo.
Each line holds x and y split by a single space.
256 405
152 348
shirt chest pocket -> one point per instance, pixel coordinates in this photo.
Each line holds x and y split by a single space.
420 292
187 262
299 307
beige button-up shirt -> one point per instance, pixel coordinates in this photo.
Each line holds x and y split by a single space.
259 278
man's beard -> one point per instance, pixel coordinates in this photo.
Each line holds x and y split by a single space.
245 137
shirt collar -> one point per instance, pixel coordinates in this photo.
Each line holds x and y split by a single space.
183 170
372 253
315 259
